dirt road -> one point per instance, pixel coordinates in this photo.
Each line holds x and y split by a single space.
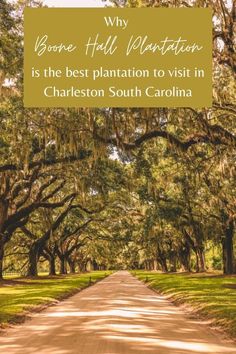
118 315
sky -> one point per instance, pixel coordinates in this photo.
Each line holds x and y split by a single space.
74 3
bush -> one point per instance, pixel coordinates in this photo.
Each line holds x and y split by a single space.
216 262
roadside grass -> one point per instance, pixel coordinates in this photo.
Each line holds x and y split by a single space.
209 295
22 295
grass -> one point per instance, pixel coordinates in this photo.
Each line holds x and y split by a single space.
211 296
21 295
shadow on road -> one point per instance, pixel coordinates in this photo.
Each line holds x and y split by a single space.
118 315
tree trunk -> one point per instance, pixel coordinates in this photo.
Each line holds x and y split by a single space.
95 265
33 261
155 264
1 259
228 249
184 257
63 269
52 267
4 204
163 264
72 266
161 259
201 257
81 266
164 267
197 261
150 264
173 262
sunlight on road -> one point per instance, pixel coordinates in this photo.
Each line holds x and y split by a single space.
193 347
119 315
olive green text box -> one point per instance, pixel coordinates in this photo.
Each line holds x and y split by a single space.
107 57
